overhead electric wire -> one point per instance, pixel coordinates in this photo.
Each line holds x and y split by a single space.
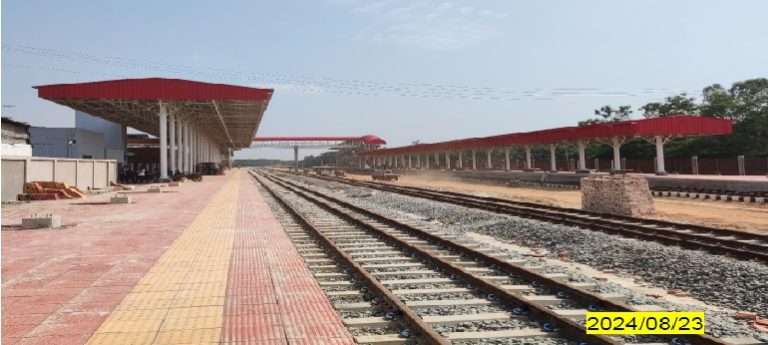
315 85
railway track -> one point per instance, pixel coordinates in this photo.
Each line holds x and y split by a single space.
734 243
395 281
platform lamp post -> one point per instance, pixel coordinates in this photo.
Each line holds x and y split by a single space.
70 142
296 158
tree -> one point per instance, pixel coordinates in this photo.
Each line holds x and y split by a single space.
609 114
745 103
675 105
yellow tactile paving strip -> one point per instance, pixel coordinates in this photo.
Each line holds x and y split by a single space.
181 299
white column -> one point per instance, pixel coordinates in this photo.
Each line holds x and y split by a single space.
426 160
183 145
410 166
528 158
163 117
490 161
474 160
418 161
187 147
582 155
460 162
552 157
660 169
506 159
192 149
172 129
616 143
447 160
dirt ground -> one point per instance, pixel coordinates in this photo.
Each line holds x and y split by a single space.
747 217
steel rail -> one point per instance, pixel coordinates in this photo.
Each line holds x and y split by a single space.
510 268
697 239
569 328
420 328
657 222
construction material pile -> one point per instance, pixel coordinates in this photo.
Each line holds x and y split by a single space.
49 190
624 195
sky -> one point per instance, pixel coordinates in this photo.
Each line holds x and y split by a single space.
405 70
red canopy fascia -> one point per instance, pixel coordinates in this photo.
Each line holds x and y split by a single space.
367 139
162 89
678 125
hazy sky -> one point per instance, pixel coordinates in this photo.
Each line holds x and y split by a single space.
403 69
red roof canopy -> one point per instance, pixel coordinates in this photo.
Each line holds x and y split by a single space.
153 89
230 115
366 139
679 125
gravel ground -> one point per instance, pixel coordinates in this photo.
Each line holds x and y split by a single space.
524 341
491 325
716 280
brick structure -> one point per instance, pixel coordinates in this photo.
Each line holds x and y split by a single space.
617 194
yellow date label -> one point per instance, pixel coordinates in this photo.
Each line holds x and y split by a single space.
645 322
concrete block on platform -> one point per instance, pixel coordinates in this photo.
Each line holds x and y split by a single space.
120 199
37 221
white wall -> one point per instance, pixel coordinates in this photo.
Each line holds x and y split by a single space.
23 150
83 173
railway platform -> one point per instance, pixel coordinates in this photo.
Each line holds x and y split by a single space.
203 263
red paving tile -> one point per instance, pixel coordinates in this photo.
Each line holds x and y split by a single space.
272 298
60 285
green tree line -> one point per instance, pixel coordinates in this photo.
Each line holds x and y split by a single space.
745 103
